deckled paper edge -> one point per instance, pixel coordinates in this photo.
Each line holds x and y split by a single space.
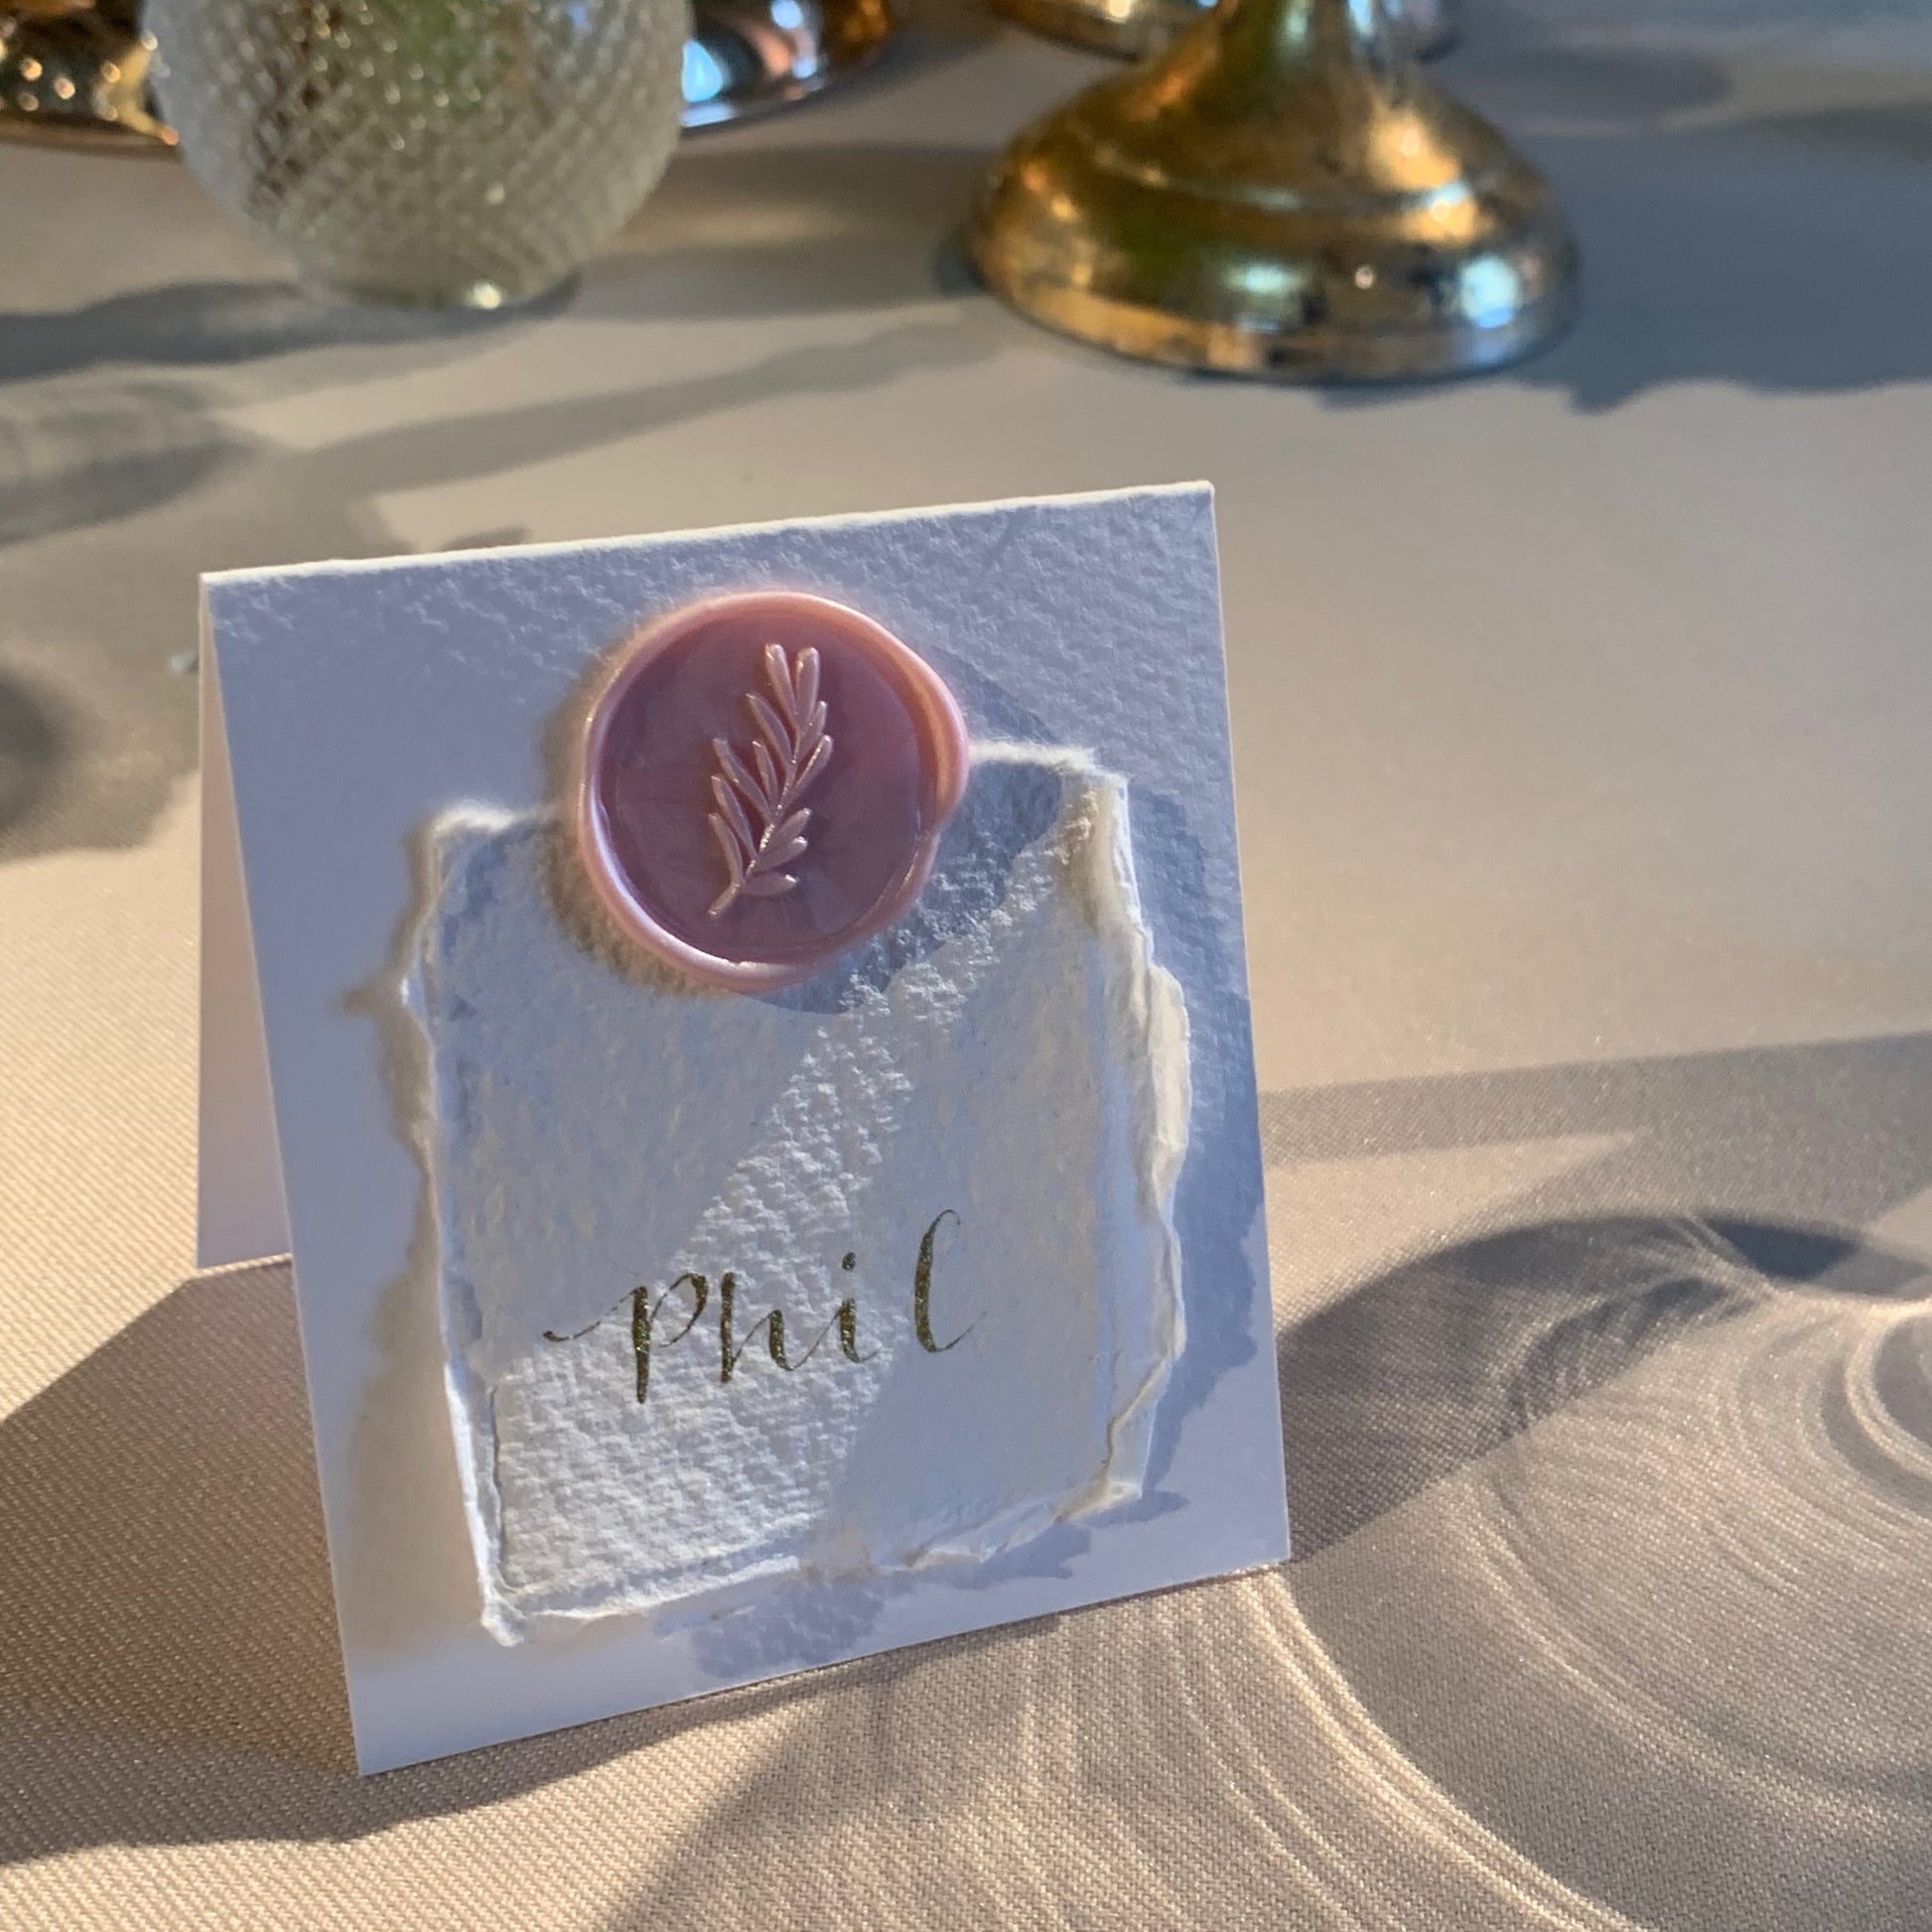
1160 1011
1110 897
410 1070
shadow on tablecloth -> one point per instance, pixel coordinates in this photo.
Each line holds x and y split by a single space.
1614 1517
1725 244
169 1668
1610 1607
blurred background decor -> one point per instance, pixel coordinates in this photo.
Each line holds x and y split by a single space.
75 72
747 57
1133 28
447 152
1280 193
79 72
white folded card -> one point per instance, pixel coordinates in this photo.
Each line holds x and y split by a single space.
746 1037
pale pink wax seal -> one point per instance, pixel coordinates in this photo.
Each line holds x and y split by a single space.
764 780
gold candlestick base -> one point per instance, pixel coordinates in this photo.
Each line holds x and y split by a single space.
1131 28
1280 195
76 72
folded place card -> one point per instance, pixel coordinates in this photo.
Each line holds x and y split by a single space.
746 1037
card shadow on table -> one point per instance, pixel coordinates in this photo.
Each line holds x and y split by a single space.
1794 1150
1678 1474
169 1663
1650 1464
1499 1500
169 1658
169 1655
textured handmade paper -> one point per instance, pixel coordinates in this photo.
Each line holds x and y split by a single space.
949 1163
375 710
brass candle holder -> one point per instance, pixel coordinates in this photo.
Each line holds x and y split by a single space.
1280 193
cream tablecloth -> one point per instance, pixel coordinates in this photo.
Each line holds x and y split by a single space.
1581 722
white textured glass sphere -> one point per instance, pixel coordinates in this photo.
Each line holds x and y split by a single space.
432 152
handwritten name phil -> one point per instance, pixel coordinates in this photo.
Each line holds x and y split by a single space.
650 1336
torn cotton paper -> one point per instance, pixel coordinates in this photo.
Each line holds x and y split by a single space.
868 1275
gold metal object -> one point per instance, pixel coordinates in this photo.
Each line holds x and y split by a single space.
76 72
1280 193
1133 29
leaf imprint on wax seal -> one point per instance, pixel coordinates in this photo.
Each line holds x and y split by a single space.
759 824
